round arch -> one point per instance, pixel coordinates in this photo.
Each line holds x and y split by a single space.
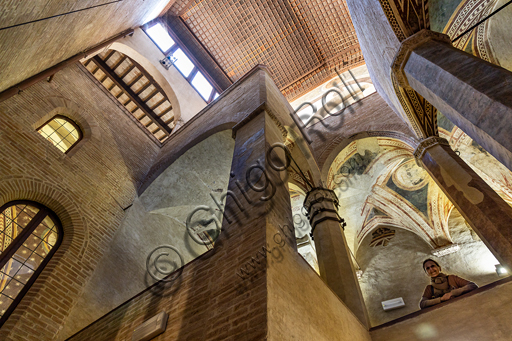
65 107
75 240
56 199
29 270
337 145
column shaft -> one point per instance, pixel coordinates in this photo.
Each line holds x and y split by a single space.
334 258
472 93
485 211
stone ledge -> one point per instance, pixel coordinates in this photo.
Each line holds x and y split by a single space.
443 304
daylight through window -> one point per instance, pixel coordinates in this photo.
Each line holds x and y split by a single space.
62 132
29 235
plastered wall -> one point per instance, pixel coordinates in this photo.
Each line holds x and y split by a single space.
155 219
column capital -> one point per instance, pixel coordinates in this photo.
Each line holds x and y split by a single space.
426 144
322 204
406 48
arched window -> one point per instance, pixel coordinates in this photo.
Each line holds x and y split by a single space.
62 132
29 235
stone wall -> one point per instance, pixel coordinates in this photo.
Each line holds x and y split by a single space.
88 188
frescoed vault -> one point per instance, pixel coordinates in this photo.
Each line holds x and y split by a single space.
379 184
489 40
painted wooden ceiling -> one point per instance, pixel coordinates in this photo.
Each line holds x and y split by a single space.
302 42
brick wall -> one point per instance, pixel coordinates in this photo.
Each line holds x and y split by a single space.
208 301
88 188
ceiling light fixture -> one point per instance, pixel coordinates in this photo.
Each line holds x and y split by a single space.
501 270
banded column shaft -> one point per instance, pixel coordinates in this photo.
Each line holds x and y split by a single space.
472 93
334 259
485 211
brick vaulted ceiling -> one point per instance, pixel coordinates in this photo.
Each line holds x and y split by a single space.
301 41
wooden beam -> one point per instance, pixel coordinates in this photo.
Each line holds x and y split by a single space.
107 57
150 78
119 62
166 111
144 87
159 103
127 71
129 92
135 79
151 95
170 120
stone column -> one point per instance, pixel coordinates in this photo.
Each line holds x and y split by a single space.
334 259
485 211
474 94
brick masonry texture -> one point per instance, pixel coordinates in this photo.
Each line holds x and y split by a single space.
87 188
208 301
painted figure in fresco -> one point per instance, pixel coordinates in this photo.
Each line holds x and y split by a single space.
442 287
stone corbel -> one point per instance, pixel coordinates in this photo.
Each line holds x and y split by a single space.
405 50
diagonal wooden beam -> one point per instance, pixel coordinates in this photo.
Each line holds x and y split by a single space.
159 103
109 54
135 79
119 62
144 87
127 71
165 111
129 92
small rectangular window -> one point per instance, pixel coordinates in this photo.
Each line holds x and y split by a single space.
161 37
182 62
202 86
